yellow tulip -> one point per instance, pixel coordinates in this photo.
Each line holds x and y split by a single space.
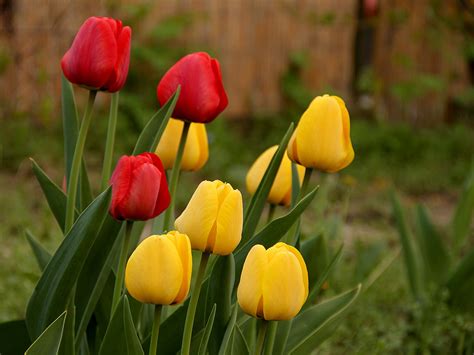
280 193
196 149
213 218
274 282
322 138
159 270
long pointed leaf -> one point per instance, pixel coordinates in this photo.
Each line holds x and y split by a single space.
461 284
70 128
14 338
207 332
151 134
48 342
257 203
52 292
228 332
41 254
462 218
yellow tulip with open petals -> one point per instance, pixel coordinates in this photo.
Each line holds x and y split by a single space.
159 270
280 193
322 138
213 218
274 282
196 151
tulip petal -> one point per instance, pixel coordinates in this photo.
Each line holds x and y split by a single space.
201 135
154 272
183 246
119 75
198 219
283 286
346 123
120 182
249 291
229 223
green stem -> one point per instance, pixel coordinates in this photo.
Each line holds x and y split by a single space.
305 184
261 337
118 288
155 330
188 325
76 163
271 333
109 143
175 176
271 212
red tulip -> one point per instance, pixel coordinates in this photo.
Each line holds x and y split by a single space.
202 96
99 56
139 188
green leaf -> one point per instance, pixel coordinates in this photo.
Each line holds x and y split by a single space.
239 344
54 195
51 295
461 284
70 129
295 184
257 203
409 252
226 340
95 272
121 336
171 331
281 338
315 253
272 232
433 251
381 267
48 342
41 254
85 191
219 290
151 134
462 218
14 338
207 332
324 275
313 326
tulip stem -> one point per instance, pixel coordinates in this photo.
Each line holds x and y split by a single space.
304 186
109 143
175 176
271 212
155 330
118 287
76 163
188 325
271 333
261 337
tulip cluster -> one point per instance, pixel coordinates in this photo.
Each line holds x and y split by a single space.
274 281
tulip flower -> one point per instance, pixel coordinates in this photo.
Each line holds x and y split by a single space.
139 188
159 270
202 96
274 282
280 193
213 218
100 55
322 138
195 150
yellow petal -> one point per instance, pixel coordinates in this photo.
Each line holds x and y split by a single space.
199 217
203 146
249 291
283 286
229 222
168 145
346 123
183 246
154 272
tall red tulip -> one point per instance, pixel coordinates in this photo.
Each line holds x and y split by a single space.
202 96
100 55
139 188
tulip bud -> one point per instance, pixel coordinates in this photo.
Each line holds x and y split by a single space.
213 218
139 188
322 138
100 55
195 151
274 282
159 270
202 96
280 193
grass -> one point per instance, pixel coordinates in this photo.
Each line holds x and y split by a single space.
425 165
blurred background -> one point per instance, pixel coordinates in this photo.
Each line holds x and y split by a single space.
404 68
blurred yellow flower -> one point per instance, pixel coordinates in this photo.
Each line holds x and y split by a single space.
274 282
213 218
196 150
159 270
322 138
280 193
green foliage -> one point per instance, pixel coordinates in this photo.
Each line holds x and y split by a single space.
49 341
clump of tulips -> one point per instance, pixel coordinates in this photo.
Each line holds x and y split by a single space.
112 289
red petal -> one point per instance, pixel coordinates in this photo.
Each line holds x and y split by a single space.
120 182
120 72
